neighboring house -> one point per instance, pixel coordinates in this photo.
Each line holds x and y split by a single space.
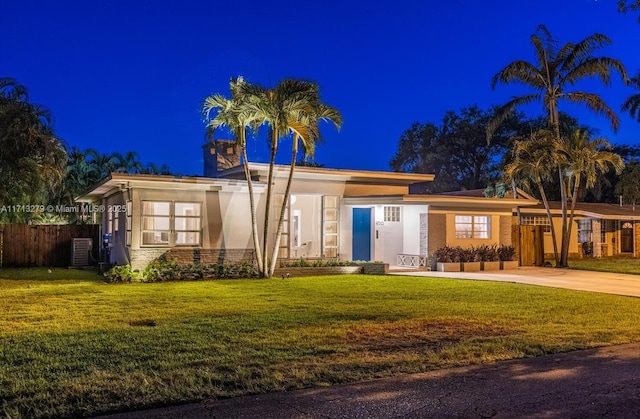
345 214
607 229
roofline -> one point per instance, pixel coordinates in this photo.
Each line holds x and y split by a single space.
585 213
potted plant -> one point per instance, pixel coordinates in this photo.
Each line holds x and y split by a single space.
507 255
470 259
448 259
490 261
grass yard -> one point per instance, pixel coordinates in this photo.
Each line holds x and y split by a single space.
71 345
623 265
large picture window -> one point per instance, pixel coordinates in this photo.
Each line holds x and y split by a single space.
161 219
473 226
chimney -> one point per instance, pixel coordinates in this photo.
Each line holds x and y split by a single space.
220 155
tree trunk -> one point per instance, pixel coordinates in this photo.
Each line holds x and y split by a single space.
574 198
285 200
254 221
563 204
551 226
265 238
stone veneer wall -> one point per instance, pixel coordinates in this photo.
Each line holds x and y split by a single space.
140 258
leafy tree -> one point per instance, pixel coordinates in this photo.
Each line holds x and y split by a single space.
628 186
32 162
556 71
456 151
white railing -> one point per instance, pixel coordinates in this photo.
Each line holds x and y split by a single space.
411 261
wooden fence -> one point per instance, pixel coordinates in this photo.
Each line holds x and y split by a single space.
529 244
23 245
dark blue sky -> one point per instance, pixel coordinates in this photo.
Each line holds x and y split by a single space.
127 75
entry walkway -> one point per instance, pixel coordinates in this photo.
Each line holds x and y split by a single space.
608 283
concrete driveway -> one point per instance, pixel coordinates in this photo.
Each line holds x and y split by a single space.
608 283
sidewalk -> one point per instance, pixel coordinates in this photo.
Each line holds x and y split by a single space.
602 382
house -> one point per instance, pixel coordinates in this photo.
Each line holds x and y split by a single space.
331 213
599 230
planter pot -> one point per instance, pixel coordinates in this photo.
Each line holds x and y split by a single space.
471 266
510 264
491 266
448 266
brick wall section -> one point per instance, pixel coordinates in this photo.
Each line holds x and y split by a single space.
187 255
295 272
436 232
505 229
140 258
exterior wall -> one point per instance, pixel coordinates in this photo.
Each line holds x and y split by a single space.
636 240
494 237
436 236
352 189
505 229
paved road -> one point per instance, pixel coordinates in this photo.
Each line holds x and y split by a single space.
597 383
608 283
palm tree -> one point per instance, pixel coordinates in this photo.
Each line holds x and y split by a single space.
291 108
583 159
553 75
33 159
128 162
232 113
534 159
153 169
555 72
632 104
306 130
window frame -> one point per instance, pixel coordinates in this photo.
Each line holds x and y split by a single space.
473 231
172 232
391 214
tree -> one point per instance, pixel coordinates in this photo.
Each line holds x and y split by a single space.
628 186
456 151
555 72
632 103
533 160
582 159
291 109
33 159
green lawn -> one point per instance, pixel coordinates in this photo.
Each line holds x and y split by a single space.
78 347
623 265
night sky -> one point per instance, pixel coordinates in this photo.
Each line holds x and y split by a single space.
121 76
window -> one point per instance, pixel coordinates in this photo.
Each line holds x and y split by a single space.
472 227
535 220
156 223
391 214
160 219
330 227
128 223
187 223
584 231
116 221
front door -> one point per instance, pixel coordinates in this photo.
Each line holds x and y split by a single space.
626 238
361 245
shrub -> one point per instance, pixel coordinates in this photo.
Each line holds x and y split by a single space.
447 254
488 253
121 274
506 252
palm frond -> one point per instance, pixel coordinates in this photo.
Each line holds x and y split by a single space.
600 67
595 104
503 112
584 49
520 71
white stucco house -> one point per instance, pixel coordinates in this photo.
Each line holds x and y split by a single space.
332 213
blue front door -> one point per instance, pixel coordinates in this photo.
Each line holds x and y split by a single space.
361 247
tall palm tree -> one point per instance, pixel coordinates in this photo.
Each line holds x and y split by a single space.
534 159
306 130
128 162
632 103
554 73
583 159
232 113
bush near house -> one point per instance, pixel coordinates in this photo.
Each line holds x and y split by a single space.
170 270
484 253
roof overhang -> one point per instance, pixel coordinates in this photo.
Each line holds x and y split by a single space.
442 201
582 213
117 182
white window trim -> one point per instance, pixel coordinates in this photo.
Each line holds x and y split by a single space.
473 229
172 232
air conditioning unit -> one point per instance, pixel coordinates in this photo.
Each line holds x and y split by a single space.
82 248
